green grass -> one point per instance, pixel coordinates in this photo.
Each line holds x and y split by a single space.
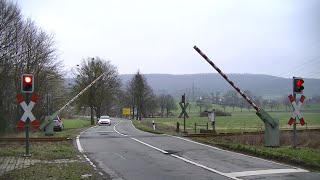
43 151
76 123
303 157
41 171
192 109
50 151
241 121
71 128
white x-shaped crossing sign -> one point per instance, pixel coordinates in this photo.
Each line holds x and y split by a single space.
27 111
296 110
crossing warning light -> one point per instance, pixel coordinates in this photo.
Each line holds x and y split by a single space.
27 83
298 85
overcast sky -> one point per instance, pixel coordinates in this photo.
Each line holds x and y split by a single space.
280 38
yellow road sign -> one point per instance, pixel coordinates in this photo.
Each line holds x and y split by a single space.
126 111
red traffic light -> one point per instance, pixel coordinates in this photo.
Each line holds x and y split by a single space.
298 85
300 82
27 79
27 83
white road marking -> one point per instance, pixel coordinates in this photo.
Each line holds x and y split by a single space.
181 158
204 167
81 149
134 126
114 128
232 175
78 144
264 172
165 152
91 163
212 147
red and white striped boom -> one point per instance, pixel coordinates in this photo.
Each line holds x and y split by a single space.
226 78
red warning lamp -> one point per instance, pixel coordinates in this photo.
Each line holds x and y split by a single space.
298 85
300 82
27 83
27 79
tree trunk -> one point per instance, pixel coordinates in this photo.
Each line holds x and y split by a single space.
133 108
162 111
98 112
91 113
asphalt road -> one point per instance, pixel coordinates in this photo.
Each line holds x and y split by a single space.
124 152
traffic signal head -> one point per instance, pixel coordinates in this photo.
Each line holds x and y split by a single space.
27 83
183 98
298 85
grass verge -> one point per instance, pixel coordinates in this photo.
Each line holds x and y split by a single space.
49 151
302 157
41 171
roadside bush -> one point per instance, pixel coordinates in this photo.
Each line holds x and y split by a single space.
218 113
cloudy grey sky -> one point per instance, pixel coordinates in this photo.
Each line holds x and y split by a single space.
275 37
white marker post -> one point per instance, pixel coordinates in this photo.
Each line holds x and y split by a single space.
153 125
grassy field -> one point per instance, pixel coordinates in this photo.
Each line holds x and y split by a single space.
50 151
307 155
240 121
72 126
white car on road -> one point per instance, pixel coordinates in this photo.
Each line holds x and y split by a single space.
104 120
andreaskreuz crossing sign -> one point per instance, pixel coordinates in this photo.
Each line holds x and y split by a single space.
296 110
27 111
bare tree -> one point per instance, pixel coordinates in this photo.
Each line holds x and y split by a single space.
231 98
101 96
140 93
24 48
162 103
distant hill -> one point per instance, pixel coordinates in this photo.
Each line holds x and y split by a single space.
200 84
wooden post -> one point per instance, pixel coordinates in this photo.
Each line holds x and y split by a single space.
178 128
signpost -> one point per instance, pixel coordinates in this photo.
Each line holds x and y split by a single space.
126 111
297 89
271 137
212 119
27 87
184 113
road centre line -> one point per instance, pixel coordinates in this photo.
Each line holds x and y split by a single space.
264 172
179 157
237 174
163 151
